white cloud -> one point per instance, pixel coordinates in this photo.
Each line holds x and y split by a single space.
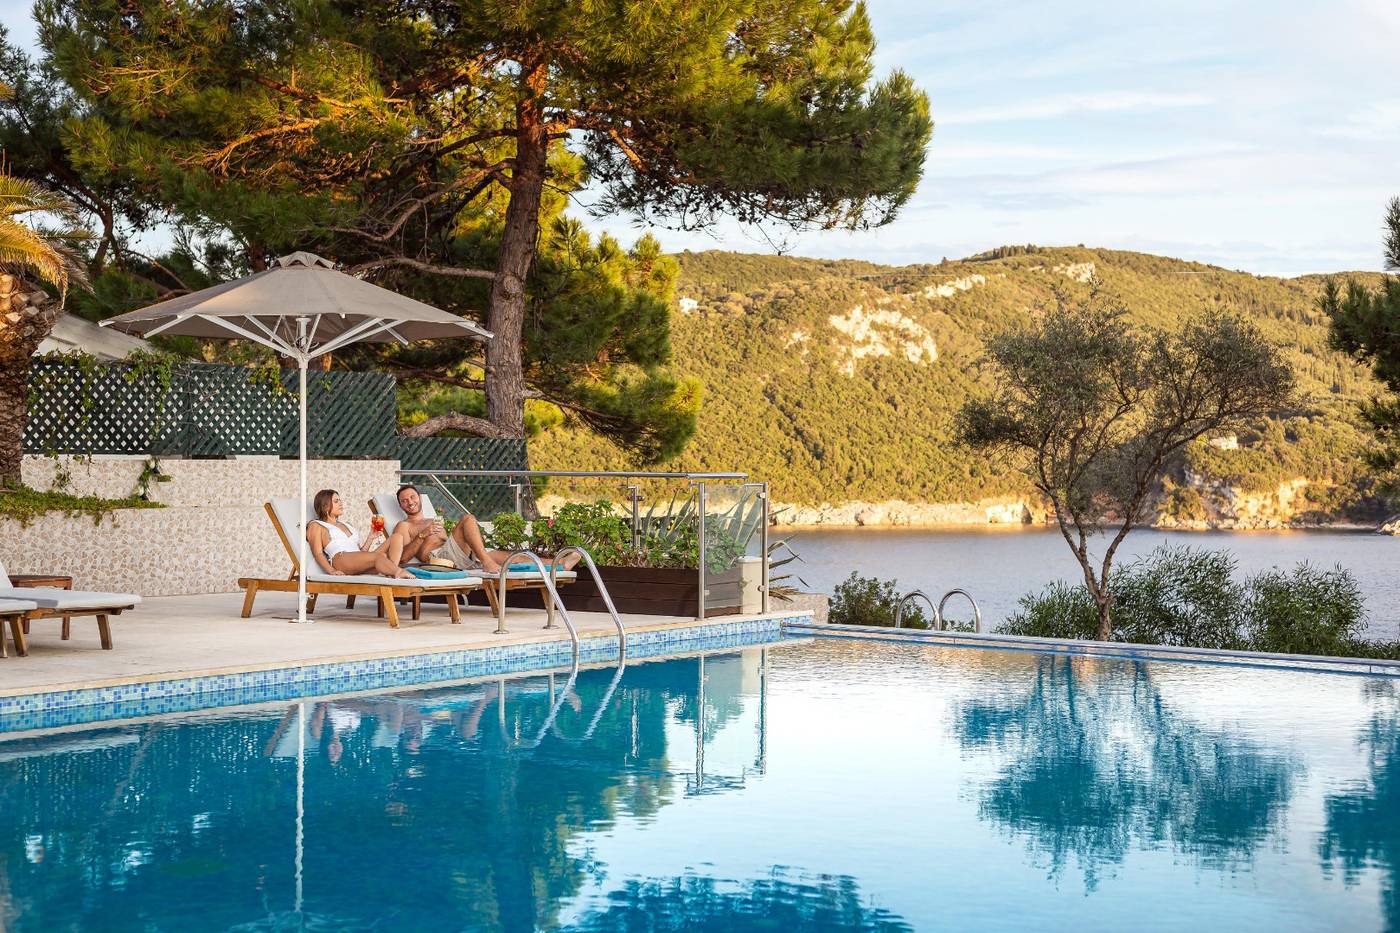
1065 104
1378 120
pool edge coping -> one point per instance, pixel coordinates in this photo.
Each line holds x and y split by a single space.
1132 651
182 688
539 638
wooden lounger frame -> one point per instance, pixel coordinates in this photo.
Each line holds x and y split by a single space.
19 625
385 593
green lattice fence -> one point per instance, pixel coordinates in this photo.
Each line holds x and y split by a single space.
209 410
484 497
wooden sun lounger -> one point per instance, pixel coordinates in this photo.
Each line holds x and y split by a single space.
384 589
51 602
528 580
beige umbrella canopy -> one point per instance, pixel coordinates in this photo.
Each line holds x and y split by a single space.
301 307
269 307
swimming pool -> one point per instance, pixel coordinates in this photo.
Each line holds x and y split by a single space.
825 784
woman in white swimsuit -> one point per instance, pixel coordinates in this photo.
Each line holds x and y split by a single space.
340 551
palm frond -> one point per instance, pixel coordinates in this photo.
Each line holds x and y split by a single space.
37 249
20 196
24 249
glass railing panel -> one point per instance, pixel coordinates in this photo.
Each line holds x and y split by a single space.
733 558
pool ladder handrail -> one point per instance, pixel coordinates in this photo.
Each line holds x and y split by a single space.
602 591
548 578
938 622
551 723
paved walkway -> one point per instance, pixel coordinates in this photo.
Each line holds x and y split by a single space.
188 636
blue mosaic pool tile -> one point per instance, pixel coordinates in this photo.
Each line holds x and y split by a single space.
184 694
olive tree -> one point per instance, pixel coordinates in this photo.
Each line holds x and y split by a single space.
1094 410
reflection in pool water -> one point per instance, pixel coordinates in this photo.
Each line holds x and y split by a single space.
832 785
1094 771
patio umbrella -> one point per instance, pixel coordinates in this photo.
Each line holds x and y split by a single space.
302 308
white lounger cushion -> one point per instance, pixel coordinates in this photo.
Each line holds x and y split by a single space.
12 606
49 597
377 580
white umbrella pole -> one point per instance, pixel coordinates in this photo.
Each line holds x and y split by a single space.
301 799
301 577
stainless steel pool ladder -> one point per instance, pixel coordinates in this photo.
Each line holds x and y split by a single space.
602 591
556 603
938 622
554 708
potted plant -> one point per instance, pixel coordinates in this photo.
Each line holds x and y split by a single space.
656 575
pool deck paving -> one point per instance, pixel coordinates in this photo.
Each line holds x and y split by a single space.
196 636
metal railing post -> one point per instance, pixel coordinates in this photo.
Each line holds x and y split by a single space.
700 535
634 492
763 545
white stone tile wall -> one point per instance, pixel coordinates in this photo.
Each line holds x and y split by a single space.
212 532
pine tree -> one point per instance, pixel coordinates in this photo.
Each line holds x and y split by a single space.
420 141
1366 325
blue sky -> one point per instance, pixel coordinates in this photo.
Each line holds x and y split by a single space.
1262 136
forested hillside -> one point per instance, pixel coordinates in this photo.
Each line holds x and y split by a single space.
839 380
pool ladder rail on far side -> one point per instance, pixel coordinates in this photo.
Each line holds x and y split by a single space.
553 602
938 622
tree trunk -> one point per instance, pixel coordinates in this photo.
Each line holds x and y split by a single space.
1105 618
505 377
27 315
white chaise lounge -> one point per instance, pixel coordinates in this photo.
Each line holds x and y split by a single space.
283 514
54 603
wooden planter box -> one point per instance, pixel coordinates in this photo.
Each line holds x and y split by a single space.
658 591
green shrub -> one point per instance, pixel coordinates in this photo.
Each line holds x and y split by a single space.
1058 611
1181 596
867 601
1189 597
25 505
509 532
1307 611
592 526
669 540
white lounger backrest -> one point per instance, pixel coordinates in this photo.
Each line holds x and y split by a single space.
387 504
286 509
4 577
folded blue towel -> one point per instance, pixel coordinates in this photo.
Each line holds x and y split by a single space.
531 568
436 573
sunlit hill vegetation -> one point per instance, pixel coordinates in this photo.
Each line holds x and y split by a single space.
839 380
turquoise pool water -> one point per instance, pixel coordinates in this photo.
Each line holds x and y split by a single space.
824 785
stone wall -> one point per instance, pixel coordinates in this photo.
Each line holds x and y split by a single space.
212 531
